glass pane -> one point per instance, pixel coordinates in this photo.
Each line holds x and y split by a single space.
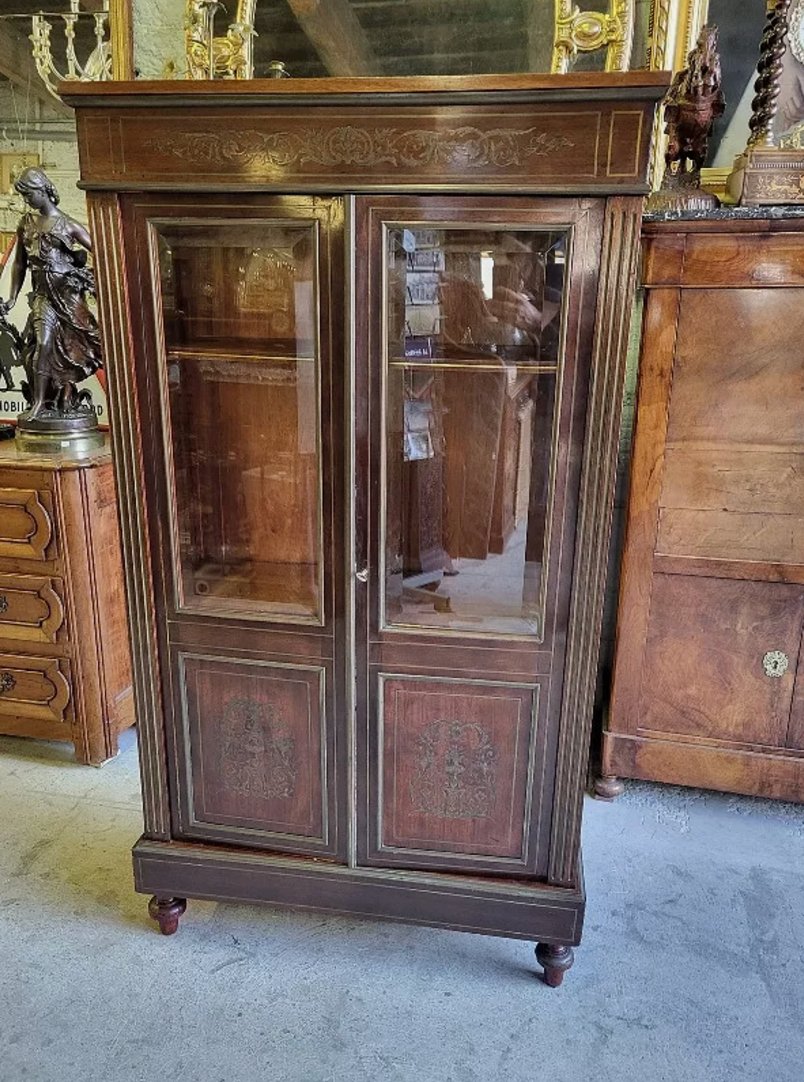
415 37
239 306
473 319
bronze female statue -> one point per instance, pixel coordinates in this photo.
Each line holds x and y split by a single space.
60 343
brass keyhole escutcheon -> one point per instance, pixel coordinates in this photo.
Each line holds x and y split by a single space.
7 682
775 663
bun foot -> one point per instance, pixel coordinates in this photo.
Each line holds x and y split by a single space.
608 787
555 959
166 912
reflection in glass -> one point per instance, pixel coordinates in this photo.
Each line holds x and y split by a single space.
473 323
239 313
418 37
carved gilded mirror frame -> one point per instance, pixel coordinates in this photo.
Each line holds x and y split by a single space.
574 31
122 38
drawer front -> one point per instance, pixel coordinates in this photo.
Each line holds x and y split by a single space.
34 687
26 524
31 607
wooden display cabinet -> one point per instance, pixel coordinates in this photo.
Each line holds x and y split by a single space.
709 674
366 344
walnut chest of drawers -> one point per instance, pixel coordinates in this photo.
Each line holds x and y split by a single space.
65 669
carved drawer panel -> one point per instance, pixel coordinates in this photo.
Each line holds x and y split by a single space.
26 524
455 771
253 734
34 687
31 607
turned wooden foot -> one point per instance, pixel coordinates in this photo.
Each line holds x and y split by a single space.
607 787
166 913
555 959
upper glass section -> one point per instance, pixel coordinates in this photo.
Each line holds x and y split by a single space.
239 310
473 341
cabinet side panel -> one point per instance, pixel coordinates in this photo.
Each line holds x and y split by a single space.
615 292
107 570
658 350
116 333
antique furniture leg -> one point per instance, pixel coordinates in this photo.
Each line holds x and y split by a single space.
555 959
166 912
607 787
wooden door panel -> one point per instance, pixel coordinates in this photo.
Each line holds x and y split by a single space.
255 736
704 669
737 380
722 477
718 534
455 770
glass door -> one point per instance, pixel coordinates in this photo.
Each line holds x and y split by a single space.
245 420
470 376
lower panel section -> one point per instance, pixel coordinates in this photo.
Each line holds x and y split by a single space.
254 736
751 773
516 911
454 780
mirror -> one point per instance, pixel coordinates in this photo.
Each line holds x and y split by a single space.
344 38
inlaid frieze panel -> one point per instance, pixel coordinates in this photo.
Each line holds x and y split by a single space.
455 766
253 736
504 144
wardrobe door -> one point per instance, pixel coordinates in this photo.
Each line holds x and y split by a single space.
473 337
241 321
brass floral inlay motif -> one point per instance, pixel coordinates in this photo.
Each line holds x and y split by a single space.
455 771
466 147
259 754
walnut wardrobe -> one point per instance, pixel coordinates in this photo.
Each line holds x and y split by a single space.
365 342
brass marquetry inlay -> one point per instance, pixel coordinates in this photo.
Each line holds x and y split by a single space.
455 771
464 147
259 754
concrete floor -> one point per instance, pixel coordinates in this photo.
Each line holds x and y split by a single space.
691 969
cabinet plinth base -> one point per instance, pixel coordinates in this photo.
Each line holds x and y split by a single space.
555 959
166 912
537 912
752 772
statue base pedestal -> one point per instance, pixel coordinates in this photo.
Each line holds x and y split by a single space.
681 191
767 176
54 433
